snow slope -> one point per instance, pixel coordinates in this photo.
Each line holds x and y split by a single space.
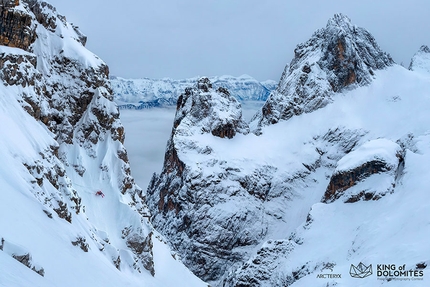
62 141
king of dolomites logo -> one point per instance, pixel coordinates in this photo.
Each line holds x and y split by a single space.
360 271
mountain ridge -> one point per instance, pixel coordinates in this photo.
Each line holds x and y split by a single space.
148 93
266 195
69 199
338 57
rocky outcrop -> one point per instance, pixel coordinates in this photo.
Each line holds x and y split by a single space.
18 69
81 242
420 62
16 26
200 109
206 240
338 57
375 157
42 12
216 112
21 255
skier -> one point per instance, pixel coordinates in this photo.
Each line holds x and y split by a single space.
100 193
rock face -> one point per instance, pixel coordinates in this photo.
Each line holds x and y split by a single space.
65 88
377 157
16 26
177 195
149 93
420 62
215 112
338 57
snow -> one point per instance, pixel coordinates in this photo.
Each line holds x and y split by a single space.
13 51
40 171
380 117
26 228
384 117
64 42
380 149
421 61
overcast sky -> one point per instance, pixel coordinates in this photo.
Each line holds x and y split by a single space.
187 38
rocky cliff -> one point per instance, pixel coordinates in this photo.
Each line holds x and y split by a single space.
255 209
66 89
63 143
201 111
338 57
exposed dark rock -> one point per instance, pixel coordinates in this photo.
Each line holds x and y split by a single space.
63 211
24 259
21 255
83 40
82 243
49 214
18 70
67 91
142 248
40 271
9 3
199 106
42 16
342 181
200 110
117 263
16 28
265 269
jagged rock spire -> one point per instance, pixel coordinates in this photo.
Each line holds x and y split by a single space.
203 109
337 57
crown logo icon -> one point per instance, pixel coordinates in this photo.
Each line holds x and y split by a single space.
360 271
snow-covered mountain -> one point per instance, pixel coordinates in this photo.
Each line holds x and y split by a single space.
149 93
339 57
331 184
421 60
62 142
